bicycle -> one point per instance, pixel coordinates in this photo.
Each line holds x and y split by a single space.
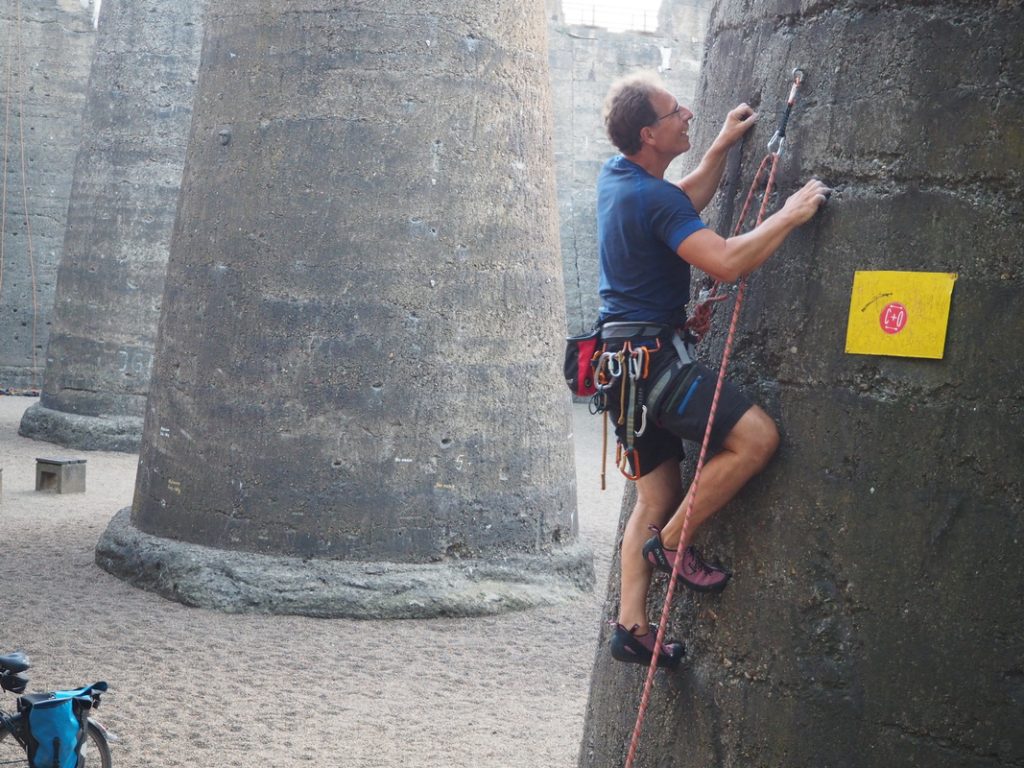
95 751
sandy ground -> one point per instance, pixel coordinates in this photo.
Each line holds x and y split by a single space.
192 687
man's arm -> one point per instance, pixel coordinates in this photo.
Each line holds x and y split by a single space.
729 259
701 184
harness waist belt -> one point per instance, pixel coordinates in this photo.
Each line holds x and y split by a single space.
629 330
620 331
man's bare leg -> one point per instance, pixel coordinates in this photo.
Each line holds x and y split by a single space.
657 494
745 452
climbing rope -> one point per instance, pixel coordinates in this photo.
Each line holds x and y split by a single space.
699 322
775 147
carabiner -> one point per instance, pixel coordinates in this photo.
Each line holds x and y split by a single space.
615 371
643 421
606 375
638 363
622 460
798 79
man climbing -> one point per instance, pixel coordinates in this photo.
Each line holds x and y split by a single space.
650 234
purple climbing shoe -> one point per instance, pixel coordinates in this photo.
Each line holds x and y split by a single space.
696 574
637 649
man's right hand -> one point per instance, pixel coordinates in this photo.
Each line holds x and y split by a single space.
728 260
739 120
806 201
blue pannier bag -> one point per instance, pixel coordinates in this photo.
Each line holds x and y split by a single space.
55 725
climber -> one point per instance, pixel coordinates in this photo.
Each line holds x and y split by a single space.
650 235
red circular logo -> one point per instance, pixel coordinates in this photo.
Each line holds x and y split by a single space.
893 318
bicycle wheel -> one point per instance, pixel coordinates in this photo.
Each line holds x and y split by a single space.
95 750
11 751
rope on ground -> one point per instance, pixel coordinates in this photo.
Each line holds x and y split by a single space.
775 147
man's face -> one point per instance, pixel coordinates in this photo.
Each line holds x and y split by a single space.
671 130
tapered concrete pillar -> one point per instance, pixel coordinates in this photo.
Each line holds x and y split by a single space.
46 48
875 616
357 406
123 200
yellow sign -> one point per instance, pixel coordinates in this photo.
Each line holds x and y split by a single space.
903 314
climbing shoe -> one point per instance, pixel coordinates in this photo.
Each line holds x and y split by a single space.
694 572
637 649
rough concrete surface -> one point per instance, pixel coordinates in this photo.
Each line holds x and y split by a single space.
46 49
876 616
91 433
191 686
242 581
360 343
123 198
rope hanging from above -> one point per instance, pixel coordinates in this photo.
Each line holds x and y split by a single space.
699 325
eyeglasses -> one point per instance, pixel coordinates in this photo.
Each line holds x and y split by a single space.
678 110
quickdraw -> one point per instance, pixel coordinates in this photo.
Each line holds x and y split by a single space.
630 366
608 370
699 322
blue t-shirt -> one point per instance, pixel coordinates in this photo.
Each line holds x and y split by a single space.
641 221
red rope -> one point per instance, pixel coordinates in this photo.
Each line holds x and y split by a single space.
699 323
772 158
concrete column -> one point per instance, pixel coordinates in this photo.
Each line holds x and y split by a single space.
123 200
46 47
875 616
357 400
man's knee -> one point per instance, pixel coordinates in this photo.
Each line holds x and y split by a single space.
755 437
658 492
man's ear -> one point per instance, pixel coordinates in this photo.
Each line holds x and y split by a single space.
646 134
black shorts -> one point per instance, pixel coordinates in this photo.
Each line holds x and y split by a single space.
661 442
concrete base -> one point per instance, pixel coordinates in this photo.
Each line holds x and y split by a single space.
238 582
90 433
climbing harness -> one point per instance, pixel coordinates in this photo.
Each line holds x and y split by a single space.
771 160
624 358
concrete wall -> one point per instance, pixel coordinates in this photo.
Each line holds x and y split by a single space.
584 63
123 201
46 51
875 616
359 354
111 378
100 362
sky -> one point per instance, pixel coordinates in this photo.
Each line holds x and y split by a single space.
616 15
